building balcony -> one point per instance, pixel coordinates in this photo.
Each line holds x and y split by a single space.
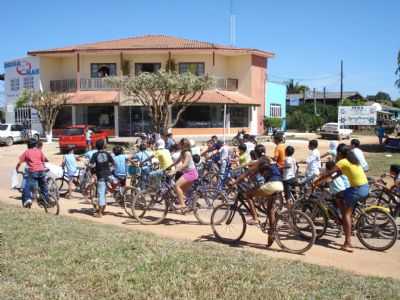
95 84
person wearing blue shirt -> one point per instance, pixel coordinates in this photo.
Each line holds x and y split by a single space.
71 169
142 156
380 132
88 155
120 166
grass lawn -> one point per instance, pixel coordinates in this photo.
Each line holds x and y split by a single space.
47 257
379 162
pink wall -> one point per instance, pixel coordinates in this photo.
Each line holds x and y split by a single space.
258 79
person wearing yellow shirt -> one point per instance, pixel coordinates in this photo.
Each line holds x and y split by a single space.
163 155
348 165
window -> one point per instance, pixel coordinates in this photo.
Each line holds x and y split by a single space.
100 70
194 68
275 110
147 68
16 128
14 84
239 116
28 83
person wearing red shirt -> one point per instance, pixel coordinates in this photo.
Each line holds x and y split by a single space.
34 159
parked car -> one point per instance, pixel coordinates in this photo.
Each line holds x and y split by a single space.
75 136
12 133
332 130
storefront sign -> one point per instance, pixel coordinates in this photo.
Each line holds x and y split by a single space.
294 101
357 115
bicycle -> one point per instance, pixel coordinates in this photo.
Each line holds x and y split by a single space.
51 206
152 207
81 181
373 225
123 195
293 230
383 196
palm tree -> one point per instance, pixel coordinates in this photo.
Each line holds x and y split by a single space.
296 88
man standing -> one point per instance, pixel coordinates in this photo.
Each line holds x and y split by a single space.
102 162
380 132
88 136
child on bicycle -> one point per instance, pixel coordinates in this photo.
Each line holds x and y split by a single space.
338 184
313 162
71 169
395 173
279 152
120 171
36 171
244 156
189 173
348 164
331 153
272 179
102 162
289 171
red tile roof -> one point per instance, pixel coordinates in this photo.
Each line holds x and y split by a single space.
226 97
208 97
93 97
151 42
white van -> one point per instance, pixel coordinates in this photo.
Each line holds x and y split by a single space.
332 130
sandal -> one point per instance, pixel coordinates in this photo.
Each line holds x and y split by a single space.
347 249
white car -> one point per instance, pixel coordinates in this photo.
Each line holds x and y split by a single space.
11 133
332 130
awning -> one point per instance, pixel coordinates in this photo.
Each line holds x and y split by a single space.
227 97
93 97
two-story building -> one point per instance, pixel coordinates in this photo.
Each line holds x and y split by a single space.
80 70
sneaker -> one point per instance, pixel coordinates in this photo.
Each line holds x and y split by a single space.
28 203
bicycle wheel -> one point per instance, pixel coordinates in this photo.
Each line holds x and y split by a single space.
376 229
149 209
294 231
127 199
51 206
317 214
204 204
228 223
53 188
92 194
62 185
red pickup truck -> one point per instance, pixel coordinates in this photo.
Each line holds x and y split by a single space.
76 136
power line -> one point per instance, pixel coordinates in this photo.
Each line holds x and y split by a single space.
305 78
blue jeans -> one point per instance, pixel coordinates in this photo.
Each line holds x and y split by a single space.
101 191
354 194
223 172
33 179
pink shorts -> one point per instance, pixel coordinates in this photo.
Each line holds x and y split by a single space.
190 175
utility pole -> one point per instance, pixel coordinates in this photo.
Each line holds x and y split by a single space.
341 81
324 95
315 102
232 24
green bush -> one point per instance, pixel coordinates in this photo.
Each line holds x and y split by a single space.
270 122
303 118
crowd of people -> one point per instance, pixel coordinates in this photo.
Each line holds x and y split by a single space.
345 169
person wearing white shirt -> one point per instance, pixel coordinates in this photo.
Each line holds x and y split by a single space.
355 146
313 162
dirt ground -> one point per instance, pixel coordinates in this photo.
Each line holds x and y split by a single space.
326 252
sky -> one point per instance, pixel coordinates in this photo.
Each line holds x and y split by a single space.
309 37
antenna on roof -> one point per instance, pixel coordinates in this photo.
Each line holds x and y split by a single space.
232 23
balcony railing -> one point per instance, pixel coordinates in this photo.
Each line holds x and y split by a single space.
90 84
93 84
64 85
227 84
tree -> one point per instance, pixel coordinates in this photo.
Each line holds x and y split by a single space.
397 83
396 103
296 88
353 102
47 104
382 96
163 91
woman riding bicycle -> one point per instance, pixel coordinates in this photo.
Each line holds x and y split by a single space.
189 172
348 164
263 171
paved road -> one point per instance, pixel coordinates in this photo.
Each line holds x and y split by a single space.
326 253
